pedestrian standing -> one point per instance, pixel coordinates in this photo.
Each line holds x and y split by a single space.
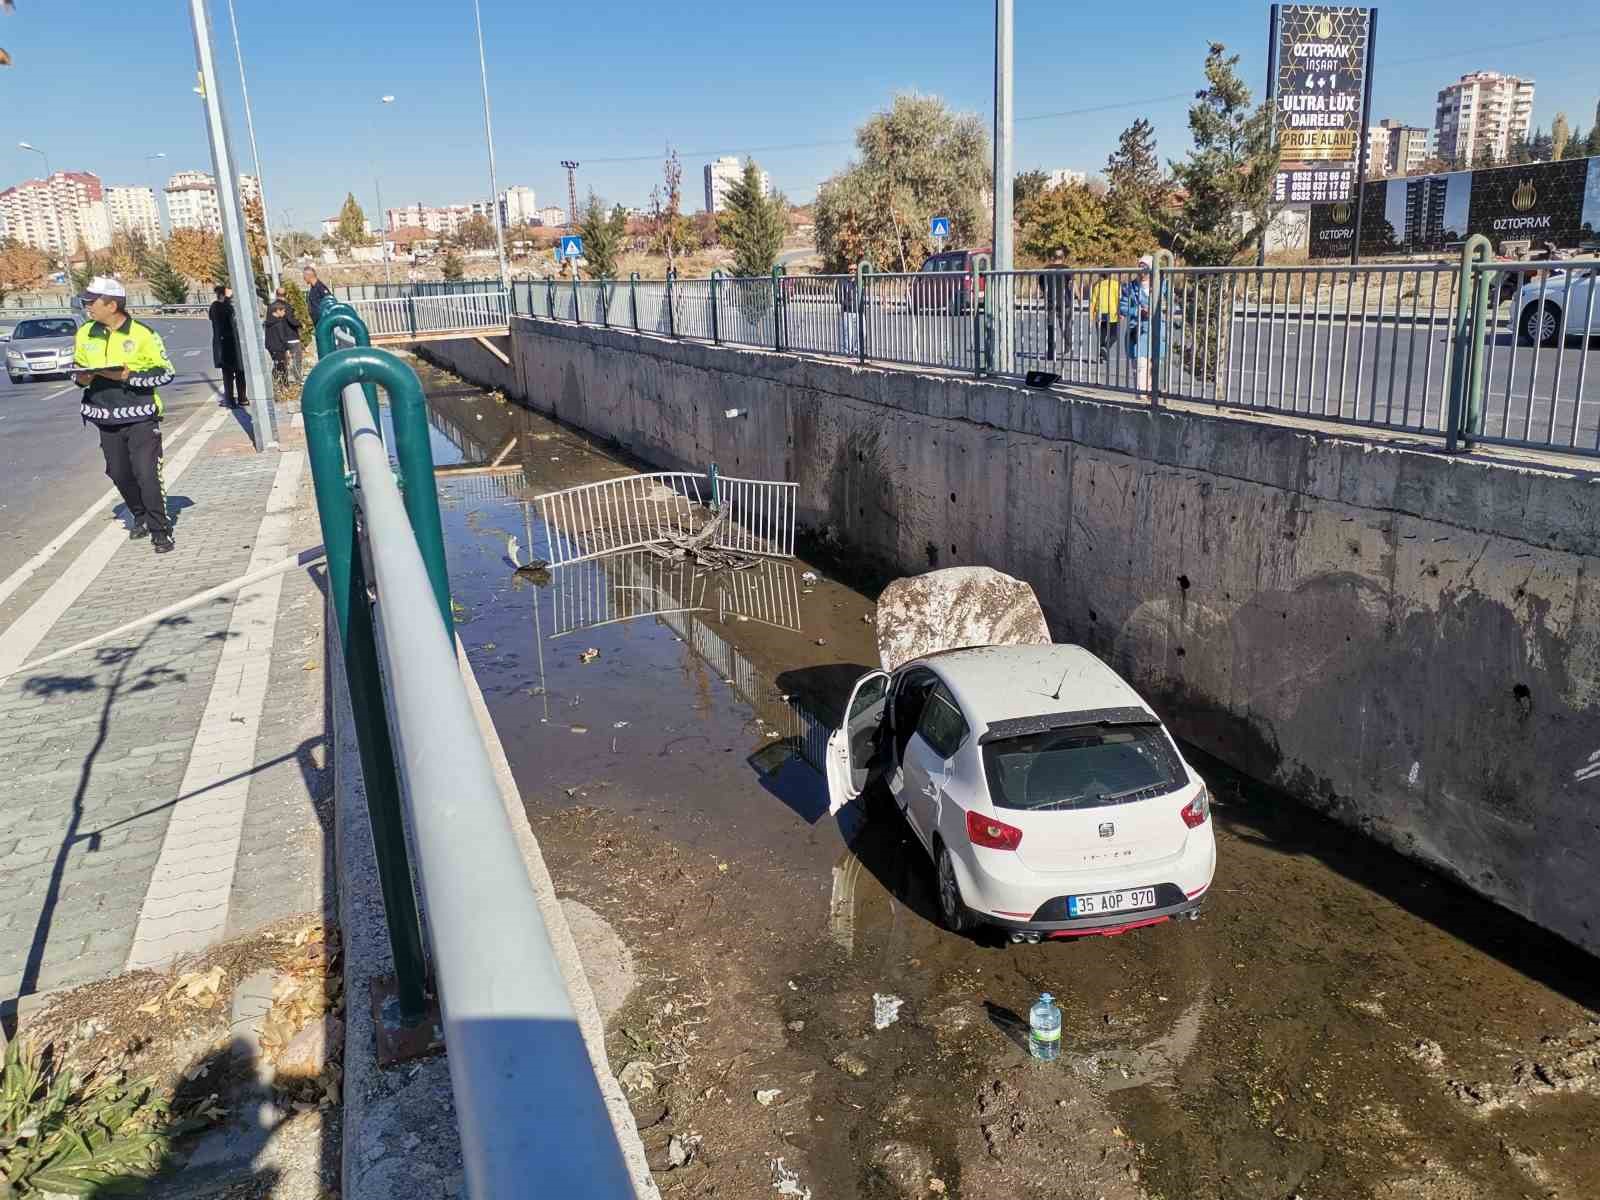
1057 285
1104 298
296 348
225 353
120 363
280 327
1135 307
317 294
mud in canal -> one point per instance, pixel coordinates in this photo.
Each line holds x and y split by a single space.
1339 1023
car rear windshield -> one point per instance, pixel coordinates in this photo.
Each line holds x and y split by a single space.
65 327
1082 766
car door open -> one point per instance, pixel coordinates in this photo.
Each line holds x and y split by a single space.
853 746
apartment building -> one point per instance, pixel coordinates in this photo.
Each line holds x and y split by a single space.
1483 112
57 215
720 176
133 210
192 199
1395 148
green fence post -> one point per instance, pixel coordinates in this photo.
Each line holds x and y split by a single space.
1159 261
633 298
577 301
863 270
1466 366
348 588
716 333
550 297
672 312
980 343
777 307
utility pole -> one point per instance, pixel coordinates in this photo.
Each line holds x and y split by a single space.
488 136
247 309
250 127
572 191
1002 261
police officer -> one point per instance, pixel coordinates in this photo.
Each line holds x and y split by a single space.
120 364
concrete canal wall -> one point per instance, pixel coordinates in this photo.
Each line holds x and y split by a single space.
1406 641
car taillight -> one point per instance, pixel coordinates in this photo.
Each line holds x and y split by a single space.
1197 810
995 834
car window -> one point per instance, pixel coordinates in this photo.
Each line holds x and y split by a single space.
931 265
1084 766
43 328
942 725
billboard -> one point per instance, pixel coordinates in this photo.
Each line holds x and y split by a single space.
1541 202
1321 73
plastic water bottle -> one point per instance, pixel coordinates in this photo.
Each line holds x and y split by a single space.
1044 1029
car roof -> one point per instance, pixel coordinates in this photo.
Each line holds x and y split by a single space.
1004 683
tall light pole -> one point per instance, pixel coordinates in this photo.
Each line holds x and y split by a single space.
247 308
377 190
155 192
250 127
488 136
1002 135
49 190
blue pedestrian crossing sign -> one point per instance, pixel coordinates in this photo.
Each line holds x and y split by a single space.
939 227
571 246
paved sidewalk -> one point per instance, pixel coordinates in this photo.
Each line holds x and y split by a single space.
161 791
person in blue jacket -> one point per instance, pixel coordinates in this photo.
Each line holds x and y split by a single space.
1134 308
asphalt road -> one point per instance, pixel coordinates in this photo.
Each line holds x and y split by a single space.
50 461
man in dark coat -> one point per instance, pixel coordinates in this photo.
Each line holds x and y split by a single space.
226 355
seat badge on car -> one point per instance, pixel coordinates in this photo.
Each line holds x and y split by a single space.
1107 829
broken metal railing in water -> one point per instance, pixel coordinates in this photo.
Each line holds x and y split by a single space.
528 1103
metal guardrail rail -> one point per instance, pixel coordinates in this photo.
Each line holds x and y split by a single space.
528 1104
1436 349
421 316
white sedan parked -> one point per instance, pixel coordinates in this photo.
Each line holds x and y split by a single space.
1051 800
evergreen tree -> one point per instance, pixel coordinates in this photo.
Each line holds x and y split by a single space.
602 234
1542 148
1577 145
753 224
1230 170
1026 186
169 286
1560 134
1592 144
352 230
450 266
1135 185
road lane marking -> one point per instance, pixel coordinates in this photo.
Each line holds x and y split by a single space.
186 904
26 571
23 635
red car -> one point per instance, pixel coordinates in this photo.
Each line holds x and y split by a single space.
944 282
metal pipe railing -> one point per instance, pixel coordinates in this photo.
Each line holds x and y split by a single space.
528 1104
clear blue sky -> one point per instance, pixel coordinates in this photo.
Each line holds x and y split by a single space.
620 79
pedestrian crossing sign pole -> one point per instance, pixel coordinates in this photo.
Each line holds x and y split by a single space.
939 228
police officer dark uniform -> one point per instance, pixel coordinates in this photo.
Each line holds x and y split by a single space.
120 364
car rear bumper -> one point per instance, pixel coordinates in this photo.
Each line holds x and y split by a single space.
1102 926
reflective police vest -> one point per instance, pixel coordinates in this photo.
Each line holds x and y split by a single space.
135 346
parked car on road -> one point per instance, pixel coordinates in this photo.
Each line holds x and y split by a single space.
40 347
1050 799
1563 300
944 282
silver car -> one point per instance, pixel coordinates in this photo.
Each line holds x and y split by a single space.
40 347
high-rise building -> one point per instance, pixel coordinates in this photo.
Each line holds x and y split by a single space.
551 216
1395 149
192 200
133 210
721 175
1065 175
57 215
1484 112
517 206
439 219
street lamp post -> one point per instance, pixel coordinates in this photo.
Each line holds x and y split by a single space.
1002 261
154 190
377 190
488 136
49 190
250 127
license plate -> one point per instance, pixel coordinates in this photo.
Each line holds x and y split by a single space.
1110 902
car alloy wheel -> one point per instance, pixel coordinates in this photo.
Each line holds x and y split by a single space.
953 911
1541 323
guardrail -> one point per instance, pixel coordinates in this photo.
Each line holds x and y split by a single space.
1472 351
527 1101
421 316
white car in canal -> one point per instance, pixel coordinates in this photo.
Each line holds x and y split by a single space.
1050 798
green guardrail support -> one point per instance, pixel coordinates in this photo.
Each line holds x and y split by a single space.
1466 349
978 297
348 584
550 297
1160 262
343 316
716 287
863 270
777 307
633 299
577 300
672 310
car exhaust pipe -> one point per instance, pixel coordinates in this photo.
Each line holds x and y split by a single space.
1017 938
